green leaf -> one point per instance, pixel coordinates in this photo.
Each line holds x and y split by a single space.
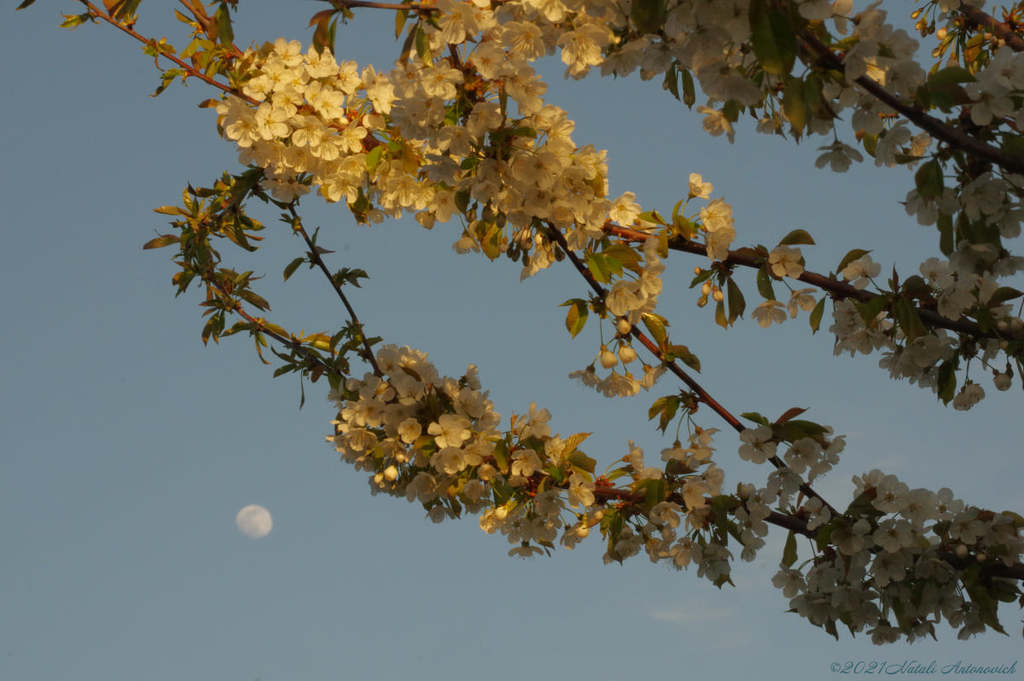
225 34
797 236
254 299
702 277
422 45
816 315
501 456
907 317
943 89
576 319
626 255
1002 294
400 18
945 226
789 555
773 39
374 156
850 257
666 407
754 417
737 303
656 325
289 270
681 352
671 81
74 20
654 492
928 180
582 461
648 15
947 381
689 92
869 310
602 267
161 241
764 283
794 105
720 317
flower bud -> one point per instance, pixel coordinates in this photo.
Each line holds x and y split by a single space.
390 473
623 326
717 295
608 358
626 353
706 288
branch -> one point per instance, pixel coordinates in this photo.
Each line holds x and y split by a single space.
402 7
943 131
191 70
314 255
1003 30
838 289
293 344
702 394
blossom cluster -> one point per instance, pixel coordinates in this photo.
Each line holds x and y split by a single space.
901 560
435 440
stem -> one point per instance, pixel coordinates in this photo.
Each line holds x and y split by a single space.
314 255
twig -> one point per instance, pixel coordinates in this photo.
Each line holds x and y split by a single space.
192 71
314 254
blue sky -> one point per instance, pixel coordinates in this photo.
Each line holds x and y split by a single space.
130 447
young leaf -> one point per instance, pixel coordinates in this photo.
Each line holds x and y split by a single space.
797 236
816 315
850 257
289 270
773 39
789 555
737 303
764 284
161 241
576 319
656 325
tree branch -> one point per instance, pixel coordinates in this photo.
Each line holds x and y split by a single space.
1000 29
943 131
314 255
838 289
192 71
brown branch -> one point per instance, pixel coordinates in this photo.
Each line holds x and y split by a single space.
291 343
1000 29
402 7
838 289
189 69
314 254
943 131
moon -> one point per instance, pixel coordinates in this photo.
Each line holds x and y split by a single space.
254 521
